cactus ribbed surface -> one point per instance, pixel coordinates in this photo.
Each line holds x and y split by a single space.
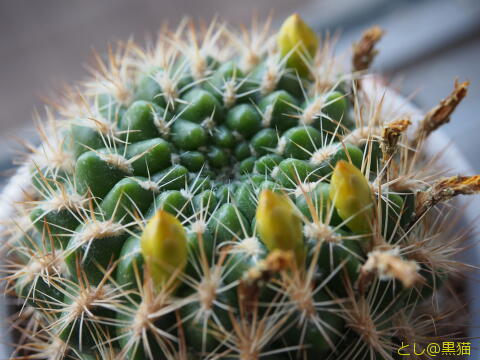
230 195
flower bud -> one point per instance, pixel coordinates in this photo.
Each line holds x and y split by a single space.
279 225
164 247
351 194
298 41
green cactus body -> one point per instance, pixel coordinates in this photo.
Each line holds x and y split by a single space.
220 207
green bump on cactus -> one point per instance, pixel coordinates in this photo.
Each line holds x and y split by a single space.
99 171
242 151
188 135
225 195
86 137
291 171
278 110
95 245
217 158
171 201
138 122
205 200
149 156
109 107
222 137
229 84
201 105
336 110
148 88
266 163
192 160
319 198
130 264
228 223
300 142
58 223
129 198
172 178
264 141
244 119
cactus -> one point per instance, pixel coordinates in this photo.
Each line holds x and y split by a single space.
230 196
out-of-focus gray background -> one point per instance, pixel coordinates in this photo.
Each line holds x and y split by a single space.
428 44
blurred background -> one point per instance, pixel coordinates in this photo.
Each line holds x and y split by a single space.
428 44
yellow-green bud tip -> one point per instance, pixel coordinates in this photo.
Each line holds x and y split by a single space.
297 41
279 225
164 247
351 194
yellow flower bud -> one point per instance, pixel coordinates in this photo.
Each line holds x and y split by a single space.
164 246
298 41
279 225
350 193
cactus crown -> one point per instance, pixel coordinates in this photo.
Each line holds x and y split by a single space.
225 195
